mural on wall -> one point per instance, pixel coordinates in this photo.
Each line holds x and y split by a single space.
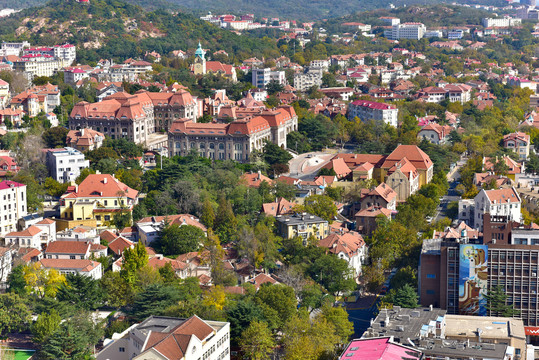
473 279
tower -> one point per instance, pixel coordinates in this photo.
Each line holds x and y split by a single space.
200 61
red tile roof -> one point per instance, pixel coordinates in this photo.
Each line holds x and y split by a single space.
68 247
29 232
83 265
119 244
102 186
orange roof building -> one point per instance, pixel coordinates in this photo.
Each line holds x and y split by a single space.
99 197
349 246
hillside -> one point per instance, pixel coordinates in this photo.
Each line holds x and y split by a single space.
287 9
430 15
117 29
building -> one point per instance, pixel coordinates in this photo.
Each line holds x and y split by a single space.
65 164
456 34
13 48
67 250
305 81
503 22
39 65
461 93
8 166
435 133
37 236
498 202
85 139
84 267
433 94
6 261
13 205
348 246
321 64
381 196
302 225
66 52
166 338
519 142
383 348
149 228
367 219
370 110
99 197
438 335
135 117
4 93
261 77
37 99
235 140
413 31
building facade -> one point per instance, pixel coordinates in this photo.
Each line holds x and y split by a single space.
261 77
413 31
66 164
13 205
302 225
370 110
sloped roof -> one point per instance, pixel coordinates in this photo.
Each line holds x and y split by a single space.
348 243
412 152
68 247
119 244
102 185
385 191
29 232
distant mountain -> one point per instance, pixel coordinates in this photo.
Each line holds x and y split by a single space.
117 29
286 9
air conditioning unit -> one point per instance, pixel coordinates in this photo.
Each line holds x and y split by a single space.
501 273
534 274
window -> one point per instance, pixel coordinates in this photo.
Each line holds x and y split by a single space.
107 217
431 276
121 349
72 257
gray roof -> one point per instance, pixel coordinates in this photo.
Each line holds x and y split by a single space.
462 349
157 324
431 246
298 219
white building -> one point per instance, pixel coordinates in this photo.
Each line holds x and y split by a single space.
66 164
503 22
66 52
261 77
413 31
167 338
12 205
13 48
323 64
149 228
348 246
370 110
258 94
434 34
304 81
499 202
519 142
455 34
84 267
74 75
391 21
461 93
39 66
6 260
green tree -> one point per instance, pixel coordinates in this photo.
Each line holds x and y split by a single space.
333 274
73 340
240 314
55 137
80 291
280 298
257 341
319 205
208 214
175 239
497 303
116 290
154 300
45 326
274 154
16 281
405 297
54 188
14 314
339 318
134 259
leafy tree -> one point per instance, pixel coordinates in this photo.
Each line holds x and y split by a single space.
73 340
339 318
175 239
154 300
274 87
319 205
42 282
45 326
16 281
134 259
311 296
116 290
225 221
240 314
55 137
280 298
405 297
497 303
208 215
14 314
81 291
257 341
273 154
332 273
54 188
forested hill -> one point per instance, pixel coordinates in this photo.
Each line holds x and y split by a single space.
306 10
119 30
430 15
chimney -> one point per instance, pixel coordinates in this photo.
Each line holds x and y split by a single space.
104 180
82 132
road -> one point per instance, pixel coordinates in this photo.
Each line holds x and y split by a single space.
453 177
306 166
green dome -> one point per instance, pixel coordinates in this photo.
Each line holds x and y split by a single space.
200 53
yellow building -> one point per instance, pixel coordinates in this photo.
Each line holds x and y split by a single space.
99 197
302 225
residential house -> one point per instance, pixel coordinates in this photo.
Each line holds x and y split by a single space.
119 245
366 219
499 202
348 246
8 166
149 228
12 205
435 133
281 206
303 225
166 338
99 198
519 142
36 236
432 94
85 139
65 164
513 167
67 250
403 177
84 267
381 196
370 110
254 180
461 93
79 233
